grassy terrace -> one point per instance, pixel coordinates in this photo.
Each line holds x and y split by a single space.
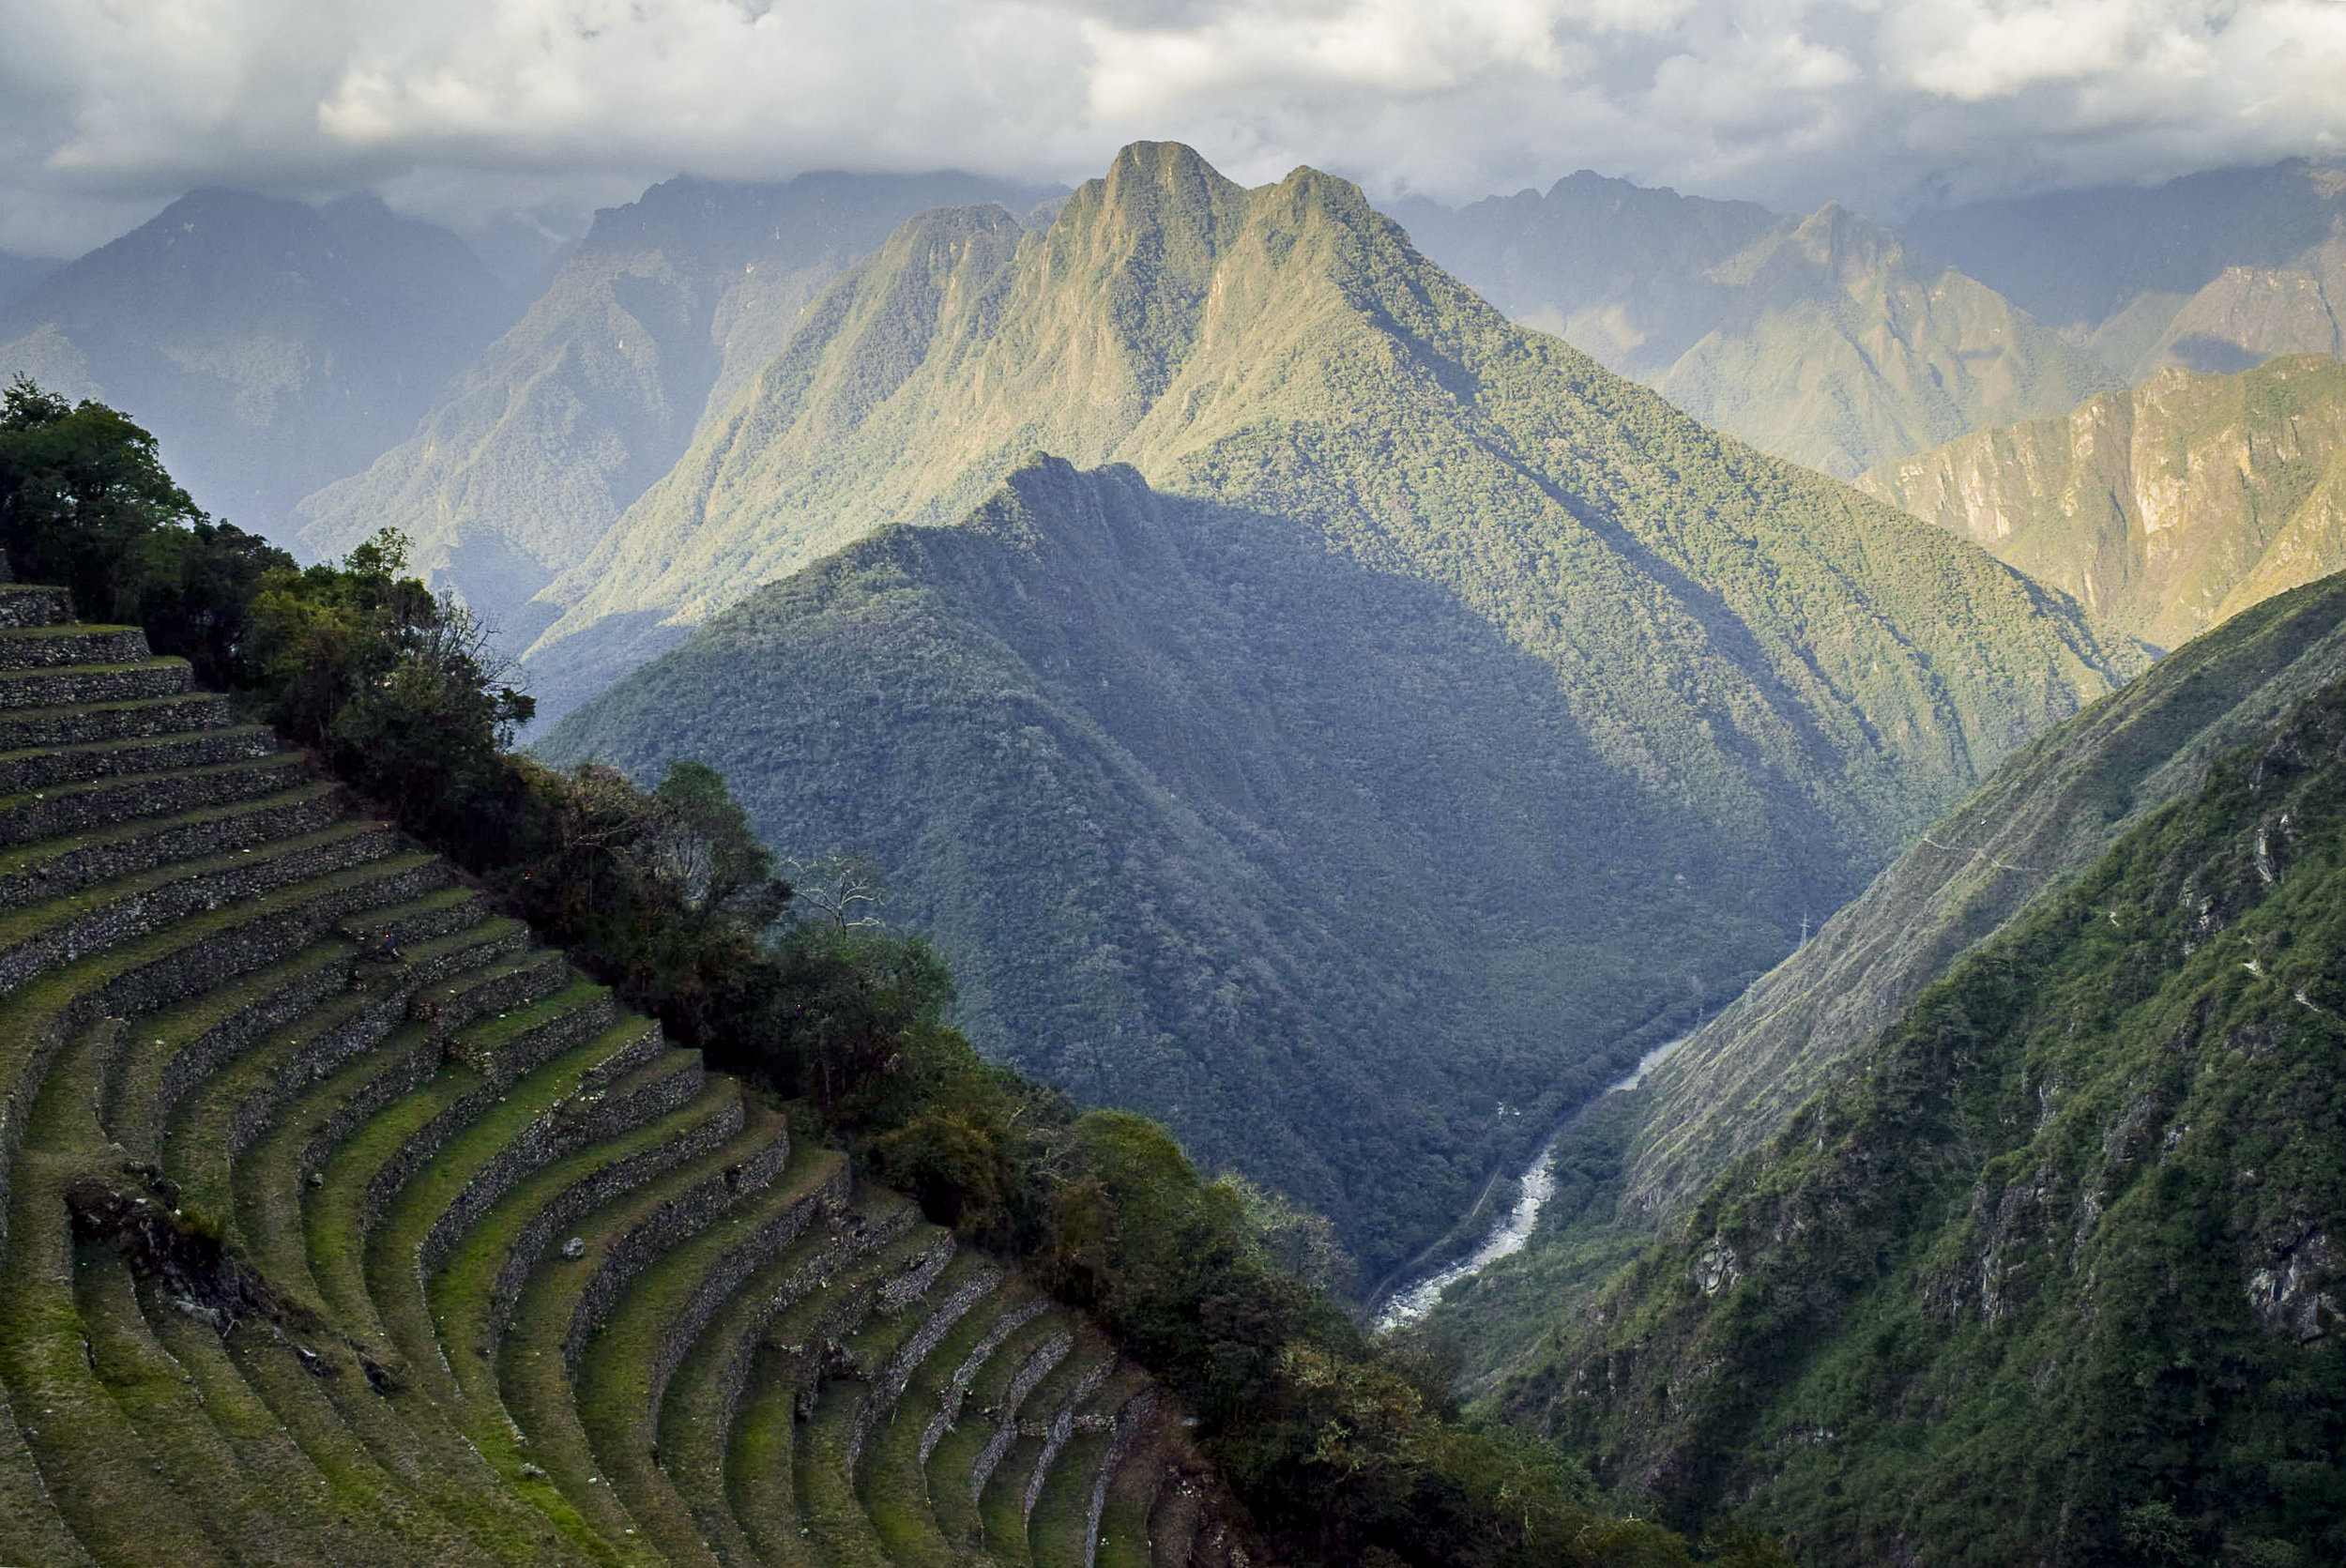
382 1257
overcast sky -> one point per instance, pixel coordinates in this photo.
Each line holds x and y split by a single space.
456 108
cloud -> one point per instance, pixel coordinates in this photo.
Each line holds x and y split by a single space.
107 109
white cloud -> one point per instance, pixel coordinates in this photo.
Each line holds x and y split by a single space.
107 106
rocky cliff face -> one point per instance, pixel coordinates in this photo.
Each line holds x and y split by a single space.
2166 510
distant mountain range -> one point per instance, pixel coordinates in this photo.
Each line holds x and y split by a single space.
1442 710
660 316
2164 510
269 346
1823 338
20 273
2215 272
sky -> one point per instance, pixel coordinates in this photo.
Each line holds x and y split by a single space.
462 110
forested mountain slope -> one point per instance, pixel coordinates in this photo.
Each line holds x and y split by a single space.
2163 510
2215 272
2050 1274
529 456
1230 813
2044 816
1823 338
269 346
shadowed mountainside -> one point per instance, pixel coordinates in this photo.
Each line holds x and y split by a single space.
1173 781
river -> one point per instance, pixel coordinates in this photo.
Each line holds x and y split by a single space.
1411 1302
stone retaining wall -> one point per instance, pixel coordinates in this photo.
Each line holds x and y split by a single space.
688 1213
1130 1419
502 1057
957 1386
1039 1366
599 1187
121 920
1056 1433
64 688
48 767
80 725
84 865
45 647
451 1006
559 1131
79 807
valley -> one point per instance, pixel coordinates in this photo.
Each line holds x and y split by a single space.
1178 871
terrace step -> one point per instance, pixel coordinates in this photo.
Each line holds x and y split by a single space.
185 959
29 648
570 1293
63 685
893 1483
763 1493
46 936
985 1424
82 724
45 768
58 867
1071 1490
76 807
1047 1418
374 1165
515 981
34 604
696 1416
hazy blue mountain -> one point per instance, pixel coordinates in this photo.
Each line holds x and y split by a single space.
1551 705
269 344
2215 272
18 274
1823 338
664 310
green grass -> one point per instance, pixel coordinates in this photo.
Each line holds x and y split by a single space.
895 1485
79 1405
532 1371
619 1392
395 1243
953 1464
761 1462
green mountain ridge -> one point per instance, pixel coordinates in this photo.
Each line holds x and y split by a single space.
2047 1273
269 344
2164 510
534 450
1823 338
1174 780
1640 1163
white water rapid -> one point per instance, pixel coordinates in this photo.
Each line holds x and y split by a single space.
1408 1304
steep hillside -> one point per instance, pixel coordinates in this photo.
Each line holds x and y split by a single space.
663 311
1171 780
1820 339
1636 1167
2163 510
2214 272
2049 1274
345 1223
270 347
